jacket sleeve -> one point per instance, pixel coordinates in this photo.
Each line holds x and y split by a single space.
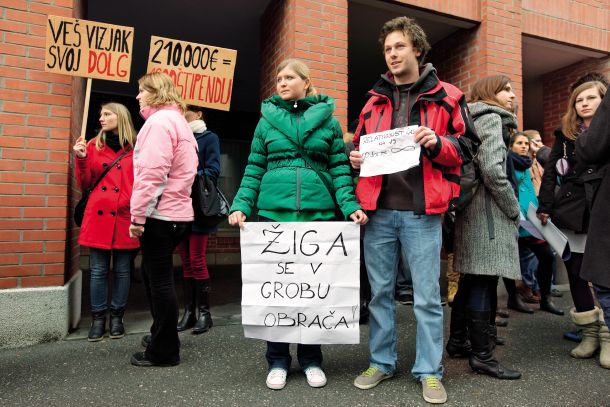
155 154
549 178
461 143
593 146
339 170
211 154
247 195
491 159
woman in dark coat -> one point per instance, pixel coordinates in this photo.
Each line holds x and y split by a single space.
593 147
196 278
568 207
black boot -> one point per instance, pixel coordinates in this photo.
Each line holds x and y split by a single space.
495 339
546 304
117 329
98 326
189 317
481 358
458 344
204 322
515 302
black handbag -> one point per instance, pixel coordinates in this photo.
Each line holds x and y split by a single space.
79 209
209 204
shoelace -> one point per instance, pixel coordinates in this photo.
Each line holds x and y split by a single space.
278 373
432 382
369 372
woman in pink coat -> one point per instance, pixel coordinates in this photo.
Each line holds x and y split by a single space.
106 222
165 164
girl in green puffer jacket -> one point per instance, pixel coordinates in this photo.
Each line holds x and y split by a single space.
284 188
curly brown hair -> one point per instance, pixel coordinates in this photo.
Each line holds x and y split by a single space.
410 29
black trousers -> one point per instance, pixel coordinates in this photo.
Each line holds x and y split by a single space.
158 242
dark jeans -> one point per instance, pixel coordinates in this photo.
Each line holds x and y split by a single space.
476 293
545 257
603 296
158 242
278 355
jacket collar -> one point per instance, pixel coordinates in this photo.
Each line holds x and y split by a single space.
426 84
150 110
313 111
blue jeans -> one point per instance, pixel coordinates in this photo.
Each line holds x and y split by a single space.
278 355
404 285
420 239
529 265
603 296
100 267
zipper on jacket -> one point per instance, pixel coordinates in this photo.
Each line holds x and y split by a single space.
379 120
298 171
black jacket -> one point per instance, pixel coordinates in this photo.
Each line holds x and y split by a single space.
593 148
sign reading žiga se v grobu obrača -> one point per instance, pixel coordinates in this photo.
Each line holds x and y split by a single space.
203 74
88 48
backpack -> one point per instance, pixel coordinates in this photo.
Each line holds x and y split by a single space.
470 179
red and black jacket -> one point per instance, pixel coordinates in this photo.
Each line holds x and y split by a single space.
439 106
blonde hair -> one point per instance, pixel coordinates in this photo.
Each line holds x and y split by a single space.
163 90
570 122
127 133
300 68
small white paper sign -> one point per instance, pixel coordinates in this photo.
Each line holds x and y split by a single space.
551 233
389 151
301 282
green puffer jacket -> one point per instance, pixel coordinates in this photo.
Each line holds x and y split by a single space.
278 181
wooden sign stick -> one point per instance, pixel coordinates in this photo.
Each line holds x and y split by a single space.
83 128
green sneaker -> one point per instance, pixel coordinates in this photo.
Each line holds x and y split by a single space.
370 378
433 390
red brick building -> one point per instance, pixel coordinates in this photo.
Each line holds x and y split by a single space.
542 45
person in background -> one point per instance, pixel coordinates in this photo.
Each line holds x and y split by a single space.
192 250
521 162
568 207
165 165
106 222
285 188
485 245
593 148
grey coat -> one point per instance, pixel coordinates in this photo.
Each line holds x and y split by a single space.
486 230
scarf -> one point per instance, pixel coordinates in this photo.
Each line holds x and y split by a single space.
514 163
198 126
112 141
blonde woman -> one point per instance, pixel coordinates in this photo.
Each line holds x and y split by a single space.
165 163
106 220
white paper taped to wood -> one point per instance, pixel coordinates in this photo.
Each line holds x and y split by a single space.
301 282
389 151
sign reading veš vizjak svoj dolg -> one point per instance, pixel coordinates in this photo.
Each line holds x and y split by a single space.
301 282
88 48
203 74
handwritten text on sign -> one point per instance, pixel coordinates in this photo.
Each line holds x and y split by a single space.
301 281
203 74
88 48
389 151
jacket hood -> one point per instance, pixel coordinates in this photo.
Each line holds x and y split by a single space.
426 82
479 109
313 110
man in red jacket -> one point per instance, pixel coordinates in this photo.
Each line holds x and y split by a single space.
408 205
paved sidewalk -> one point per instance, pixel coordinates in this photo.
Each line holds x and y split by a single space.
222 368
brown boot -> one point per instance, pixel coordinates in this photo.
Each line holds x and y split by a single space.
527 295
604 341
452 279
588 322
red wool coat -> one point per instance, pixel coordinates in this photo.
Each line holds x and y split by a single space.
107 217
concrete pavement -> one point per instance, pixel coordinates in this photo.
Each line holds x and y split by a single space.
222 368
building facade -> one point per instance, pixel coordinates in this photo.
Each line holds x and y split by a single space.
542 45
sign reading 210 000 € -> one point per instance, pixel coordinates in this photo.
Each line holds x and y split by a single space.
301 282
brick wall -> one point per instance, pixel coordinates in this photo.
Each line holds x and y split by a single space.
556 91
34 126
315 32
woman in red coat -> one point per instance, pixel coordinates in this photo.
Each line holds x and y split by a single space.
107 217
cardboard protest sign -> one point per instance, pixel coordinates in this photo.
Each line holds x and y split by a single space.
203 74
88 48
389 151
301 281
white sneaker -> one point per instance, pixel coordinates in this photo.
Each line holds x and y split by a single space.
276 379
315 376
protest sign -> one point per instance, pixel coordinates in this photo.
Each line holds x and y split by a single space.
203 74
389 151
88 48
301 281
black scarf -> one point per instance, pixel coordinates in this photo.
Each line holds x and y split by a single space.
514 163
112 141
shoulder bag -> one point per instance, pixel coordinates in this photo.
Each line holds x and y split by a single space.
79 209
